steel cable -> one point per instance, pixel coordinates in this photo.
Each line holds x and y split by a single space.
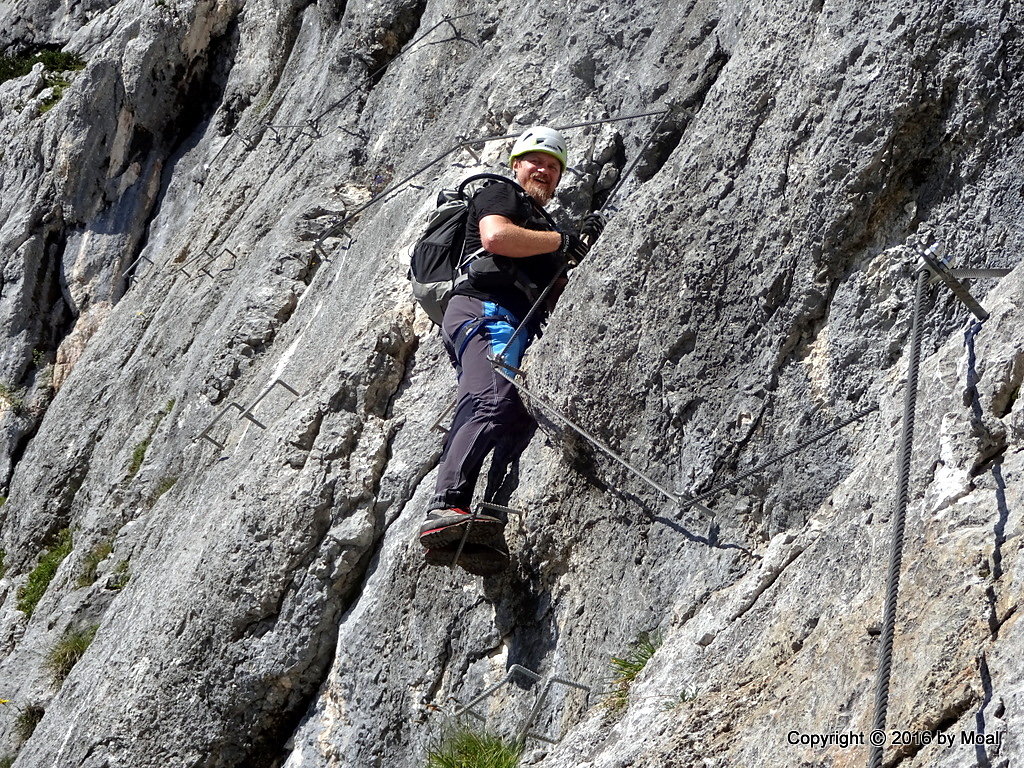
898 528
771 460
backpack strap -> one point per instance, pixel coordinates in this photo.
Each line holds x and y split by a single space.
490 177
525 286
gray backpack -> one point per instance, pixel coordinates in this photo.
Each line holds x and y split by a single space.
438 257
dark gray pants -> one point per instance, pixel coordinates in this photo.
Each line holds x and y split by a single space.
489 414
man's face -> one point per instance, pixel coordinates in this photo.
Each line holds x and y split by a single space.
538 173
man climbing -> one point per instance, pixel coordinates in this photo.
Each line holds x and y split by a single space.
515 250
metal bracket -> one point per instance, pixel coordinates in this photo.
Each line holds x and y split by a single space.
970 274
205 434
243 413
245 140
467 144
141 258
525 731
314 125
934 263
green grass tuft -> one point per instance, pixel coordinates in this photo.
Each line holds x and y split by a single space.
121 576
58 84
138 456
12 397
139 453
26 721
465 747
626 668
164 486
96 555
67 651
55 62
32 591
6 761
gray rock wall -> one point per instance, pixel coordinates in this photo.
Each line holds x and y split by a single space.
264 601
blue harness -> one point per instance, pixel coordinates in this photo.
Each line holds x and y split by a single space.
498 325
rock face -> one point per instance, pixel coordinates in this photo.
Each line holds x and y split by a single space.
229 400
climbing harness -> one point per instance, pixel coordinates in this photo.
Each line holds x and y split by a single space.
931 265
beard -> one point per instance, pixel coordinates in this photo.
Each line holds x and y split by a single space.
538 191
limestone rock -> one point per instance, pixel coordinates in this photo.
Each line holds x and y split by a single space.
225 392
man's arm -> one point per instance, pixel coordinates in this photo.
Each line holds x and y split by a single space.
500 236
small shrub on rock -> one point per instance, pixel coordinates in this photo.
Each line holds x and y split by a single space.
26 721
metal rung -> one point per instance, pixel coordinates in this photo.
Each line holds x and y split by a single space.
189 262
247 413
512 670
525 731
141 258
967 274
444 413
210 259
500 508
205 434
244 413
465 536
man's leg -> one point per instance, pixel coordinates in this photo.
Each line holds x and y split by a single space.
489 414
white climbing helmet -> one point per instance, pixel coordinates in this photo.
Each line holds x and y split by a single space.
539 138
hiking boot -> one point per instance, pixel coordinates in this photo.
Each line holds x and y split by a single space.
446 526
478 559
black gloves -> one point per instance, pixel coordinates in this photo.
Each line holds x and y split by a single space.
592 226
574 248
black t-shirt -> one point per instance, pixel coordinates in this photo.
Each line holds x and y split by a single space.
505 200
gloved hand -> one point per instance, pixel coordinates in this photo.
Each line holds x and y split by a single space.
592 226
573 249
